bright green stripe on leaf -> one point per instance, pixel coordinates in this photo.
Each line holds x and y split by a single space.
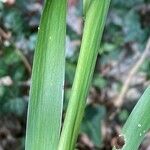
46 93
138 123
93 29
86 4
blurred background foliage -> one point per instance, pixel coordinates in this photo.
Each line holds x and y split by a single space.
126 33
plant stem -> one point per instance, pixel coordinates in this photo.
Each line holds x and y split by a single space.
93 29
46 93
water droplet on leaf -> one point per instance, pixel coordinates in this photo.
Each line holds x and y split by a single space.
140 134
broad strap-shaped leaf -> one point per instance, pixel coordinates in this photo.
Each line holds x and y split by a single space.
46 93
93 29
137 124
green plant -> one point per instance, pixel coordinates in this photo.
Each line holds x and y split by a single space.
95 16
45 106
137 124
18 32
46 94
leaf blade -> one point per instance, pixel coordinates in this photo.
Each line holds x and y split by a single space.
94 25
138 123
46 93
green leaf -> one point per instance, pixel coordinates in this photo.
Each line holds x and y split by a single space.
2 92
66 98
123 3
10 56
146 67
99 81
93 29
70 72
132 27
86 5
14 21
46 93
107 47
138 123
91 124
123 115
16 106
